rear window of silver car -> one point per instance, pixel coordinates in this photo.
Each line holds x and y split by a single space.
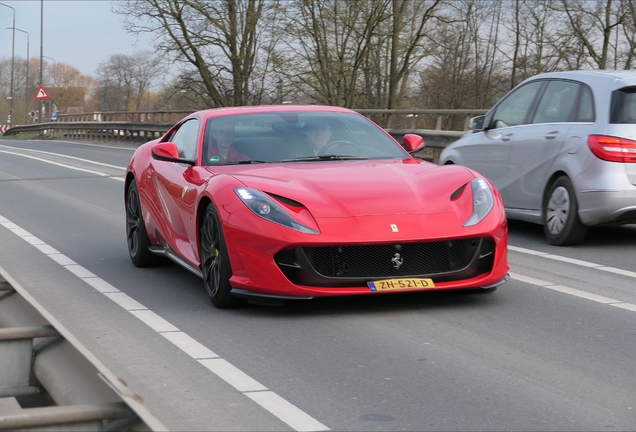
623 108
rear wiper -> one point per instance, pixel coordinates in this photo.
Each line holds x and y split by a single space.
323 158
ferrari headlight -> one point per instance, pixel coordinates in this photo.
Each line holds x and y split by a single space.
483 201
268 209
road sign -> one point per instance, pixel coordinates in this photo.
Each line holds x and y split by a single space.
54 115
42 94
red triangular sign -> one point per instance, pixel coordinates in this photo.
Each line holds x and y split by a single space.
42 94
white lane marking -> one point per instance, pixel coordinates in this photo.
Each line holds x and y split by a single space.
45 249
270 401
100 285
573 261
125 301
189 345
110 147
575 292
79 271
62 259
233 375
583 294
295 417
67 157
33 240
619 271
98 173
153 320
628 306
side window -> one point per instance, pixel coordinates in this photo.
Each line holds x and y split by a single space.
186 139
557 102
585 111
513 110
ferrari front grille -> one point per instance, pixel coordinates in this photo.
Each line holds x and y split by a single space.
353 265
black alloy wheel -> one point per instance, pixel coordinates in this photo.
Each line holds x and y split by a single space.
136 234
215 262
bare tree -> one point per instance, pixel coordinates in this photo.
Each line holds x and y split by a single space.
325 47
466 70
532 27
125 79
409 26
146 70
589 29
218 38
628 9
115 77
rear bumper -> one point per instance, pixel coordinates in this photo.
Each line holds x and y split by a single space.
607 207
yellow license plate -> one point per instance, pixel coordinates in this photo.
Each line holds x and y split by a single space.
401 284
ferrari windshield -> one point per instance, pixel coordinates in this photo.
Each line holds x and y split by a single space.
295 137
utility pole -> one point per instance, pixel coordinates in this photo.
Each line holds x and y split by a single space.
26 81
41 54
12 65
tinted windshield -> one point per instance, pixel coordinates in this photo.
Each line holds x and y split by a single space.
295 136
623 106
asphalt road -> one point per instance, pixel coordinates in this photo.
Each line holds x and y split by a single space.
553 349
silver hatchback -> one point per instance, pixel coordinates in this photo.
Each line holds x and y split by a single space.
561 149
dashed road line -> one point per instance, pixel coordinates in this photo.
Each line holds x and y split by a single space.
574 292
573 261
284 410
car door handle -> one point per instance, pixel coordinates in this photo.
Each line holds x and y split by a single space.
552 135
507 137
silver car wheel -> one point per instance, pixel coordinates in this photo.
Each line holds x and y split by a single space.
558 211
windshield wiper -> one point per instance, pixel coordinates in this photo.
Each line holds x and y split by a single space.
324 158
244 162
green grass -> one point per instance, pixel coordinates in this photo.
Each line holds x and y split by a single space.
25 136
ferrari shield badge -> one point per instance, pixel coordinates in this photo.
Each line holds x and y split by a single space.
183 192
394 228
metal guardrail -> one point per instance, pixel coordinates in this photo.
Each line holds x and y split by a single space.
171 116
95 130
78 128
49 381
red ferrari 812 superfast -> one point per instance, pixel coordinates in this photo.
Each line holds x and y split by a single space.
293 202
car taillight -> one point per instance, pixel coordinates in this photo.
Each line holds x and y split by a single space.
612 149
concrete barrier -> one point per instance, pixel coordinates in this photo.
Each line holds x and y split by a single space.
49 381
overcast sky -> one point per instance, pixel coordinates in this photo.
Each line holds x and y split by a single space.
81 33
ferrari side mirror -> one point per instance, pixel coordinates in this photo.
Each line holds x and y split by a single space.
168 152
413 143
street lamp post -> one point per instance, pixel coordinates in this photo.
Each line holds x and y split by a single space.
26 81
12 65
54 66
41 53
54 81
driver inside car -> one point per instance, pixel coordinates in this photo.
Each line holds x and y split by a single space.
318 134
222 147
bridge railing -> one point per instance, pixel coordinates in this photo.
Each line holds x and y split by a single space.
438 127
170 116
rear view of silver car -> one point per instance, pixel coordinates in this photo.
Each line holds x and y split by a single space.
561 149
